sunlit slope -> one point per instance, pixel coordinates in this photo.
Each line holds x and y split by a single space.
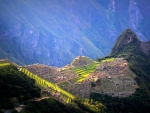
82 66
4 64
84 71
52 87
107 60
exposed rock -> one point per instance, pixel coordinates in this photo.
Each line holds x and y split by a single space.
114 78
111 77
128 36
145 47
81 61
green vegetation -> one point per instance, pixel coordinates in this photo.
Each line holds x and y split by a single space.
44 83
49 106
91 106
136 103
4 64
83 72
108 60
14 83
53 106
64 84
139 64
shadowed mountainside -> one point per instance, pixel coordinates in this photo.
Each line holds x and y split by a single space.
55 32
129 47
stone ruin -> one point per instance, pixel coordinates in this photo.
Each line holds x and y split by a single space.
114 78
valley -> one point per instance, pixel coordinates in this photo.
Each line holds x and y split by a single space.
55 32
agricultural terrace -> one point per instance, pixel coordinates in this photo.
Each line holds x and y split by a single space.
108 60
4 64
84 71
54 89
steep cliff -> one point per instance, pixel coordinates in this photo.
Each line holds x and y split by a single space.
129 38
136 53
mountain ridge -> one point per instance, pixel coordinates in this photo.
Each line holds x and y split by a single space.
139 60
139 63
55 32
129 37
119 81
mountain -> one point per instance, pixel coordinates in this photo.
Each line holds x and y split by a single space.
15 87
55 32
110 75
24 92
116 83
129 37
135 53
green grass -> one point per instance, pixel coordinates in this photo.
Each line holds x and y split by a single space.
108 60
74 79
4 64
83 72
64 84
81 79
45 83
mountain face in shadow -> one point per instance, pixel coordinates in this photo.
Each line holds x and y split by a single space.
55 32
136 53
129 38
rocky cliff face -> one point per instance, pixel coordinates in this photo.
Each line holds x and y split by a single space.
145 46
55 32
128 37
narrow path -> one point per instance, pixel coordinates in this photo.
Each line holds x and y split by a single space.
39 99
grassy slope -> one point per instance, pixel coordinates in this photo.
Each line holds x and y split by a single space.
45 83
108 60
15 84
83 72
4 64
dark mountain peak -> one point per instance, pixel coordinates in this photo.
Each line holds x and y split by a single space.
127 37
